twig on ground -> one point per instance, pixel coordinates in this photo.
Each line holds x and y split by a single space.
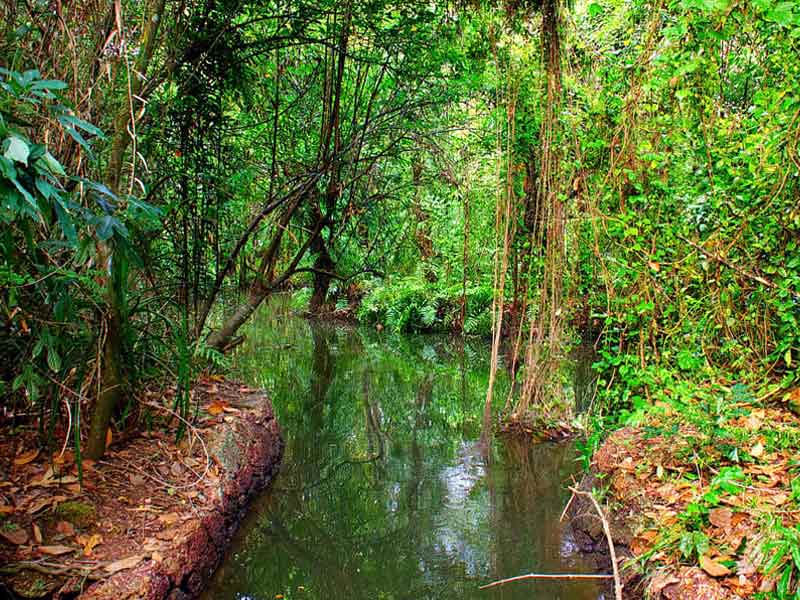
167 484
193 429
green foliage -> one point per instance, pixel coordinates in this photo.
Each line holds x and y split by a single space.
783 560
51 295
415 304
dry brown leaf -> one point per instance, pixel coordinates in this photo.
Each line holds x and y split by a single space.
713 568
55 550
720 517
65 528
757 450
125 563
752 422
37 533
17 536
217 407
136 479
168 519
659 582
27 457
90 542
778 499
151 544
44 503
6 510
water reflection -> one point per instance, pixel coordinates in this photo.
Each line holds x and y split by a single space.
384 493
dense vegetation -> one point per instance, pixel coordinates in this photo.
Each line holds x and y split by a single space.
622 172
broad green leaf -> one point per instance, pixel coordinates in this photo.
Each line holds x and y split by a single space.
74 121
17 149
49 84
7 169
782 14
53 165
53 360
105 227
66 223
28 197
45 189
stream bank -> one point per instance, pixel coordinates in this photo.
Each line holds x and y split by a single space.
153 519
701 507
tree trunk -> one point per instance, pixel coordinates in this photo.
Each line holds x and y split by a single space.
322 282
111 375
220 338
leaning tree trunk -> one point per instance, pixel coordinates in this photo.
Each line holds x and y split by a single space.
220 338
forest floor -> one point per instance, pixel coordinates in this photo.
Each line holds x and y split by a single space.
705 497
151 517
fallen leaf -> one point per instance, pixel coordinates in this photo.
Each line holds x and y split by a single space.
757 450
55 550
125 563
136 479
65 528
713 568
720 517
6 510
217 407
778 499
659 582
17 536
168 519
90 543
109 437
37 533
151 544
43 503
27 457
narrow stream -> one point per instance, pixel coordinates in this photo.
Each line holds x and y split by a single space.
384 493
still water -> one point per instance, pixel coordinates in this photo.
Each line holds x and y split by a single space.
384 493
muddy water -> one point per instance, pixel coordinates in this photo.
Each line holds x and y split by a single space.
384 492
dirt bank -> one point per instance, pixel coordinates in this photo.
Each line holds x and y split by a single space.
152 519
696 512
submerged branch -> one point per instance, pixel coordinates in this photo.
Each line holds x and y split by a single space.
547 576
